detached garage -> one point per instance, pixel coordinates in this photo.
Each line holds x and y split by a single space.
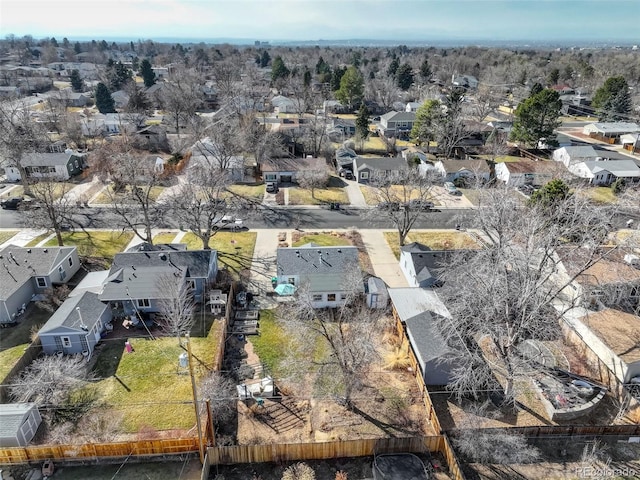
19 423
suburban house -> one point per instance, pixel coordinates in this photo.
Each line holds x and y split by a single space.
367 169
76 325
574 154
465 81
19 423
287 170
605 172
610 132
282 104
9 92
612 281
412 106
321 270
416 308
58 166
345 157
120 98
470 170
67 98
396 124
206 154
340 129
152 138
420 264
612 336
631 142
332 106
135 278
526 172
104 124
28 272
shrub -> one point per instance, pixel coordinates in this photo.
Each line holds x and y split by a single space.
299 471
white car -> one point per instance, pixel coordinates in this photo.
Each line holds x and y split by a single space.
451 189
230 222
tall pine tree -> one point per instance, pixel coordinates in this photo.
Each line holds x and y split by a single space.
147 73
76 81
104 100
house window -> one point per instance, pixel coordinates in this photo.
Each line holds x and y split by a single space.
62 272
364 175
291 281
66 342
41 281
331 297
70 262
317 297
270 177
143 303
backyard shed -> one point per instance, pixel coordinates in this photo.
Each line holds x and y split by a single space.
377 294
19 423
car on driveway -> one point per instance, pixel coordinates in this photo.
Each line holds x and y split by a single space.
11 203
451 189
272 187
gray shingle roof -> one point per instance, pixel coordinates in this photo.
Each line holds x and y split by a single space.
12 416
45 159
18 265
196 261
620 168
91 308
394 116
137 283
381 163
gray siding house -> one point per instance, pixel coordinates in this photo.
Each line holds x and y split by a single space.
27 272
323 270
60 166
19 423
420 264
133 277
416 308
367 169
396 124
76 326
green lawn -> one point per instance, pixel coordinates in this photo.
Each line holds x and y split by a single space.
471 194
235 249
164 237
9 357
253 192
106 196
601 194
147 385
103 244
38 239
271 344
436 240
322 239
6 235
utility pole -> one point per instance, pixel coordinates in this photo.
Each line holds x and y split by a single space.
195 400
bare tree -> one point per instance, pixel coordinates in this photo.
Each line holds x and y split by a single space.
49 380
404 197
221 391
312 179
182 96
513 289
53 208
19 135
132 193
176 305
499 447
347 332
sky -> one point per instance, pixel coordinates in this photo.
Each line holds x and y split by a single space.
612 21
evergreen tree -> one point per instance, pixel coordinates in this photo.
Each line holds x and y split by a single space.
65 42
536 89
393 67
307 77
76 81
119 75
613 99
537 118
278 69
351 88
425 70
404 76
362 122
54 42
104 100
265 58
147 73
336 77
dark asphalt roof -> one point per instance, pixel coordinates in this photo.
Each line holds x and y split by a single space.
426 262
91 308
196 261
18 265
137 282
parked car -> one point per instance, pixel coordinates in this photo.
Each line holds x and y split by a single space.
417 204
346 173
389 206
272 187
229 222
451 189
11 203
526 189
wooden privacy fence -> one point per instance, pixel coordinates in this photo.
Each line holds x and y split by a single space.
30 353
90 451
283 452
565 431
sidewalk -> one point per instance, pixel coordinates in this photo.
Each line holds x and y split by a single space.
263 265
23 237
385 264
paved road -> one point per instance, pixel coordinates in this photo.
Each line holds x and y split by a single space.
289 217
